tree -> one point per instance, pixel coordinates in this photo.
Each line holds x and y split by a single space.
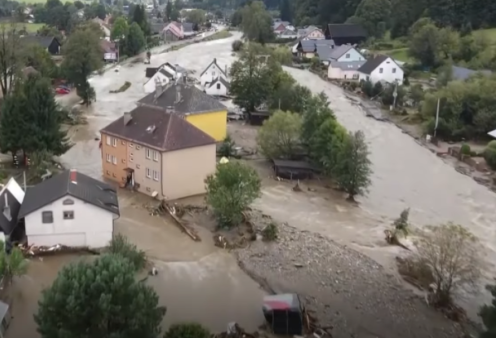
99 299
352 170
40 59
196 16
488 315
139 16
424 44
46 30
10 62
120 29
451 253
82 56
372 14
490 154
121 246
12 264
279 137
168 10
12 122
135 41
256 23
285 9
187 330
327 144
232 188
316 111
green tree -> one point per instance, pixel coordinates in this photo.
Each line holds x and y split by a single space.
315 112
196 17
327 144
490 154
11 264
10 60
168 10
139 16
135 41
232 188
82 56
12 121
99 299
187 330
46 30
372 13
38 57
279 137
120 245
120 29
352 170
256 23
286 12
488 315
424 45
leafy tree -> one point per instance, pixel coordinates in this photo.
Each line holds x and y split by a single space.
12 121
285 9
139 16
120 29
38 57
256 23
78 4
10 62
424 45
373 13
82 56
168 10
279 137
237 45
232 188
12 264
452 254
315 112
121 246
237 18
135 41
490 154
196 16
327 144
352 171
187 330
99 299
488 315
46 30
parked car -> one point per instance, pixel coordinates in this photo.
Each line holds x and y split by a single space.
62 90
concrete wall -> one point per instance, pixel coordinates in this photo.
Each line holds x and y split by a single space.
338 73
114 148
214 124
185 171
91 226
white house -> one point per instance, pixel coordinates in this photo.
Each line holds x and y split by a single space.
344 70
213 71
346 53
218 87
162 77
288 34
11 198
70 209
381 68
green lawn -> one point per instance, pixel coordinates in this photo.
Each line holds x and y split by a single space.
30 27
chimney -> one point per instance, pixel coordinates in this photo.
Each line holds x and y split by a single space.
6 208
127 118
73 176
215 60
225 69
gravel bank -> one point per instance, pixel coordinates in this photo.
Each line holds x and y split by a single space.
346 289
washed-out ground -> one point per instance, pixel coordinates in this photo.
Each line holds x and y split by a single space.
405 175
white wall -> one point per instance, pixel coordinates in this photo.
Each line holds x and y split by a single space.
339 74
212 73
110 56
351 55
91 226
216 91
150 85
388 71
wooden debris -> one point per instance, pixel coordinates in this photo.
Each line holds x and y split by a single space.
171 210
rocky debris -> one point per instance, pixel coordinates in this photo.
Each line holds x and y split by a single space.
343 288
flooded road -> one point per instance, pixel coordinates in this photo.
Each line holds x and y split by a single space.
405 174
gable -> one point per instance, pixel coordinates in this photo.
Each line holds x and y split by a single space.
387 63
354 55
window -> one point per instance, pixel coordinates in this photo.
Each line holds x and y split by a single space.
345 76
47 217
348 55
68 201
213 73
108 140
148 173
114 142
68 214
108 158
381 70
355 76
131 159
155 175
394 70
155 156
218 85
148 154
114 160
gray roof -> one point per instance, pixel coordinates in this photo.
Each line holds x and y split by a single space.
288 32
324 52
43 41
4 308
70 183
340 51
307 46
166 73
351 65
211 63
221 80
372 63
460 73
192 100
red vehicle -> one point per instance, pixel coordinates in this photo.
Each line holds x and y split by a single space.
62 90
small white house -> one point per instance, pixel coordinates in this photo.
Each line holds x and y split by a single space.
161 77
70 209
218 87
11 198
212 72
346 53
381 68
344 70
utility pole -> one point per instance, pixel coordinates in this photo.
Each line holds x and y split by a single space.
437 116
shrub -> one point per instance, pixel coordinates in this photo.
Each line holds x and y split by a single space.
187 330
490 154
121 246
269 233
237 45
465 149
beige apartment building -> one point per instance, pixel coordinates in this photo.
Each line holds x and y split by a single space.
157 153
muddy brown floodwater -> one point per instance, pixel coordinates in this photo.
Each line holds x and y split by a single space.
405 174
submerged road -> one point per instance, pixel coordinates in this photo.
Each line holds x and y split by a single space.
405 174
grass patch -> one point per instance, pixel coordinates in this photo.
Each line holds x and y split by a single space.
223 34
123 88
28 27
400 54
489 34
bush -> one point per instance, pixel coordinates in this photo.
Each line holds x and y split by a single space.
269 233
465 149
187 330
490 154
237 45
122 247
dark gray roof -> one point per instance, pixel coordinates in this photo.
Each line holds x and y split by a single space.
157 27
324 52
166 73
43 41
372 63
11 198
192 100
460 73
70 183
155 128
340 51
346 30
307 46
214 62
221 80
